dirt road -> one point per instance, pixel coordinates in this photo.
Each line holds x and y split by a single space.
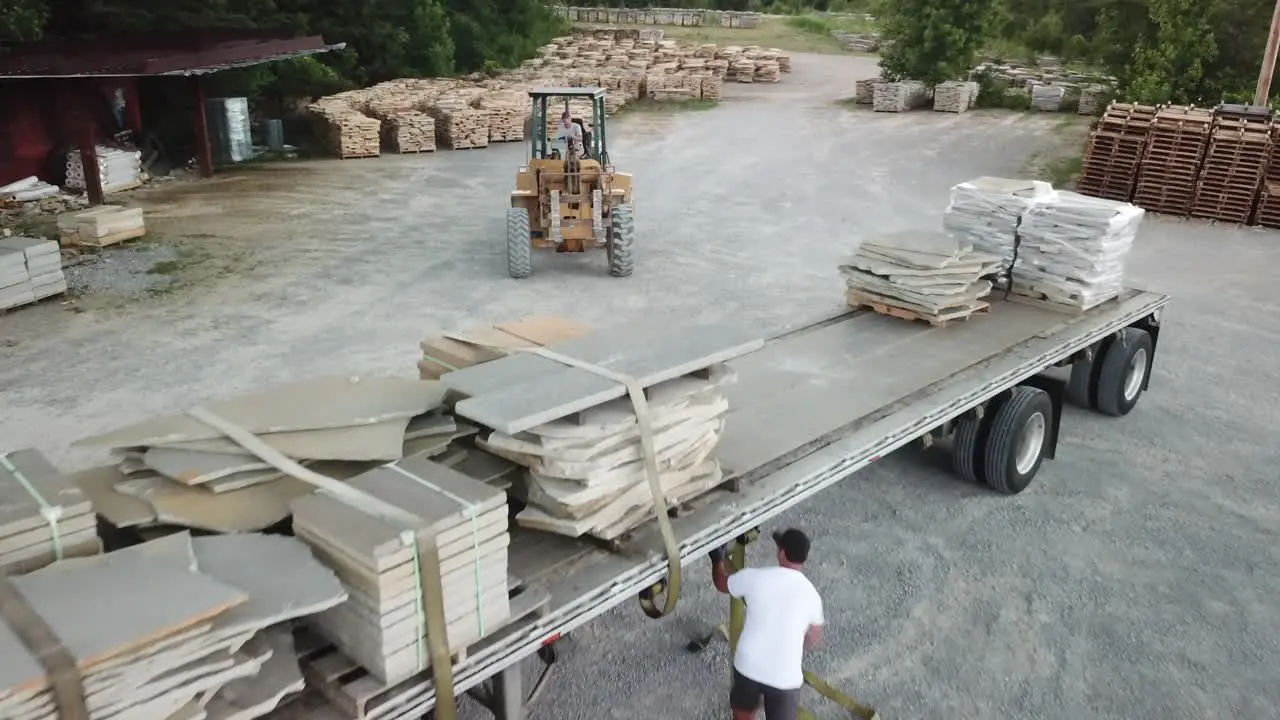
1136 578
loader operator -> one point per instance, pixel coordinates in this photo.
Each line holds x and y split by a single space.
570 134
784 616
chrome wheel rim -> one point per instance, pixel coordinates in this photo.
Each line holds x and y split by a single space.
1135 375
1031 443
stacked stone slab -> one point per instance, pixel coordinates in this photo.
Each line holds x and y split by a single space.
899 96
1047 98
661 16
409 132
30 270
952 96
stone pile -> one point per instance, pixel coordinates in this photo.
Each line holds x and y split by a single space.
1047 98
1091 99
899 96
473 112
864 91
30 270
954 96
984 212
1049 72
661 16
919 275
857 42
409 132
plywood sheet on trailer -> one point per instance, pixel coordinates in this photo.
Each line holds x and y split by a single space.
516 393
824 380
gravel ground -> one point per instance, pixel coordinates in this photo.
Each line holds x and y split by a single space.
1135 579
134 272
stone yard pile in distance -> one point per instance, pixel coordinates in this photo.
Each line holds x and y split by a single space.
474 112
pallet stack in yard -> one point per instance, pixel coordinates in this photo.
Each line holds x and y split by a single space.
227 626
1114 151
1233 165
1178 139
1268 211
30 270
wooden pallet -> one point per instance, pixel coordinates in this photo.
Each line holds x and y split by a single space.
360 157
856 300
360 696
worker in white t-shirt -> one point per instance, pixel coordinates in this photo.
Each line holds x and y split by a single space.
569 137
784 616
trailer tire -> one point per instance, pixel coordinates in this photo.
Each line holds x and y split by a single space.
1016 441
1080 386
966 449
519 249
1124 372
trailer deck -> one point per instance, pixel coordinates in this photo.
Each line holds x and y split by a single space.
813 406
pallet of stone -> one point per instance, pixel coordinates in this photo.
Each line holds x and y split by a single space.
768 71
951 96
864 90
15 280
1090 97
102 226
984 213
347 133
784 60
409 132
1233 170
934 276
507 111
381 626
899 96
461 127
1114 151
454 351
44 516
1047 98
43 263
163 628
351 693
587 476
1177 141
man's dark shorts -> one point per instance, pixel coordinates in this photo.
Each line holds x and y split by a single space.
747 694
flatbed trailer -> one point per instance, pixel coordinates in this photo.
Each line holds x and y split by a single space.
812 407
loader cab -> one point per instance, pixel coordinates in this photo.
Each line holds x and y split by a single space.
551 102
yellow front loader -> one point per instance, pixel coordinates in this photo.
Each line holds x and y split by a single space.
565 201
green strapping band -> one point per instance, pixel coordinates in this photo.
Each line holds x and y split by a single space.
52 514
420 612
469 511
439 362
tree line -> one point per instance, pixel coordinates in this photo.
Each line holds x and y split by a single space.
385 39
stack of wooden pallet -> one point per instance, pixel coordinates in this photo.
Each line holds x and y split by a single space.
1176 145
919 275
101 226
161 629
382 625
1268 212
1114 152
1234 165
409 132
558 418
43 515
179 471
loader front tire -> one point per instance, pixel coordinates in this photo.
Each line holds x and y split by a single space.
622 232
519 248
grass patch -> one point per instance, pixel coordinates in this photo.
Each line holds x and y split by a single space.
1063 172
167 267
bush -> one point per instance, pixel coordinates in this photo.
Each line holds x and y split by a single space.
810 24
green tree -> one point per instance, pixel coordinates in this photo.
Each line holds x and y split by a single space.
22 20
1170 64
934 40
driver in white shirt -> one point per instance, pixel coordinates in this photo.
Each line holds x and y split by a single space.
784 616
569 137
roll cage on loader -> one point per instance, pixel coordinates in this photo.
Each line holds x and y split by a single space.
572 204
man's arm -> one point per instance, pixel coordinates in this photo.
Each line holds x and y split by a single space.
813 635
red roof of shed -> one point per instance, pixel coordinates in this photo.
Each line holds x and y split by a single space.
186 53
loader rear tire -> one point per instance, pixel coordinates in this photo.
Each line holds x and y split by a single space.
519 248
622 231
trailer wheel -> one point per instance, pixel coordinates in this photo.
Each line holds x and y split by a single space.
1124 372
1016 442
966 448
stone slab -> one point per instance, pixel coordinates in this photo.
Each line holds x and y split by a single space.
516 393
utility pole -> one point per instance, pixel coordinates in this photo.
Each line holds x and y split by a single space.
1263 92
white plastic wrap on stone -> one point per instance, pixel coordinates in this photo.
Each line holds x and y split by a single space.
1073 248
984 212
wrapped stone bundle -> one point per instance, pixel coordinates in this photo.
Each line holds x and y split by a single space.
985 212
1047 98
1073 249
